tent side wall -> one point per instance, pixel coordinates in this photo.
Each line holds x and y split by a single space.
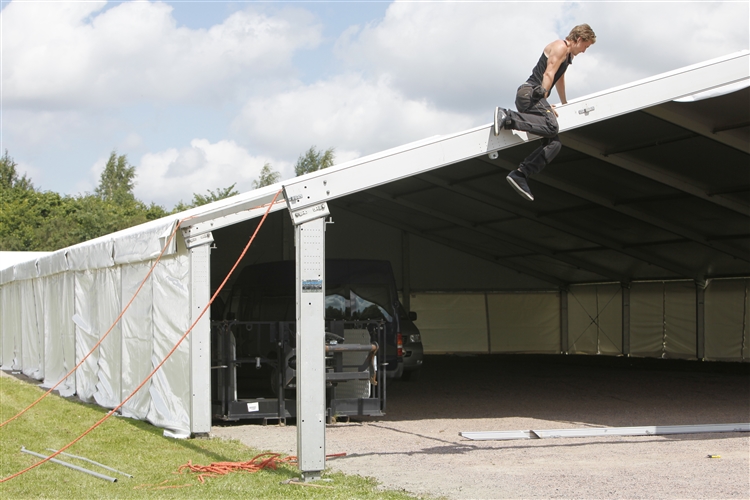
664 321
49 322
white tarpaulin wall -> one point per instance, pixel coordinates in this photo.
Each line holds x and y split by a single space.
663 322
57 307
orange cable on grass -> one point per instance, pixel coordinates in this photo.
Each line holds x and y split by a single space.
203 311
161 254
253 465
256 464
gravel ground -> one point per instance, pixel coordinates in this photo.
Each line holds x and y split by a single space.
417 446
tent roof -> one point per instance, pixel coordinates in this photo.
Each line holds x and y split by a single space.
653 182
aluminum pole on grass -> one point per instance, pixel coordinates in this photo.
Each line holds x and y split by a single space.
309 238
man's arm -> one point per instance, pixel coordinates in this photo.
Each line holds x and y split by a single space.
560 86
558 51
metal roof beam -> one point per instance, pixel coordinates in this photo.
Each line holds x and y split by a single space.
559 225
672 113
504 237
655 173
621 207
455 245
416 158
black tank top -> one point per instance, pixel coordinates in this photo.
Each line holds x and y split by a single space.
537 74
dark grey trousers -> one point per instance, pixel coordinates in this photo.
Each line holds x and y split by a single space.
537 117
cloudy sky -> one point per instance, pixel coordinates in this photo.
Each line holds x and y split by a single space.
200 95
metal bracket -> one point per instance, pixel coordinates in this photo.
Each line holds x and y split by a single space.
586 111
195 241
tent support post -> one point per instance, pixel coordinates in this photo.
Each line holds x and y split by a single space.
626 319
311 387
700 321
564 321
200 338
406 271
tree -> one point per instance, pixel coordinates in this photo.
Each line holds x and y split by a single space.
266 177
201 199
312 160
9 178
117 180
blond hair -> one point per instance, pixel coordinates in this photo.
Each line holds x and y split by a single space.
582 32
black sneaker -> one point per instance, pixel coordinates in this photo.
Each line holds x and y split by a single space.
518 181
501 120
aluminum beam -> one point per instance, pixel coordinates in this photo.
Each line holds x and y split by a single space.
675 115
200 339
230 211
700 321
561 226
311 394
458 245
433 153
632 212
655 173
506 238
657 430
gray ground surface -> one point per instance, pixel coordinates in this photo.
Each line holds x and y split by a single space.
417 447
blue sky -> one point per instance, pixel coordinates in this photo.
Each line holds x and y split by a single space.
200 95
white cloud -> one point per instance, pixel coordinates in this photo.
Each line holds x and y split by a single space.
347 112
462 55
166 177
76 55
467 56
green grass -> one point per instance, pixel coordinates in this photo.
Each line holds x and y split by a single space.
137 448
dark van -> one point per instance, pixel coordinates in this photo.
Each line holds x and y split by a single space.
356 290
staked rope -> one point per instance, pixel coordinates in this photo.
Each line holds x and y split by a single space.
153 372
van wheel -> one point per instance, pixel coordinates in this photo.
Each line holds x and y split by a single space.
411 375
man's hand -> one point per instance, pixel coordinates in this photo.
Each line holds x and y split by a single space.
554 110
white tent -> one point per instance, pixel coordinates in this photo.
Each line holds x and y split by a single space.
595 293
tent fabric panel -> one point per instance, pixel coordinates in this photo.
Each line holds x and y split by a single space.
87 333
137 339
92 254
647 319
170 386
31 338
582 314
26 270
524 322
53 341
56 262
144 245
7 275
610 319
727 318
595 320
451 322
109 305
11 325
59 332
679 320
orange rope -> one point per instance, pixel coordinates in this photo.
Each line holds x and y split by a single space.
171 236
203 311
254 465
257 463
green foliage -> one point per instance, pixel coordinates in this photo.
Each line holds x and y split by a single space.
267 177
139 449
9 178
312 160
117 180
32 220
200 199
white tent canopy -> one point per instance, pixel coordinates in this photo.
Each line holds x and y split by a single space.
55 307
